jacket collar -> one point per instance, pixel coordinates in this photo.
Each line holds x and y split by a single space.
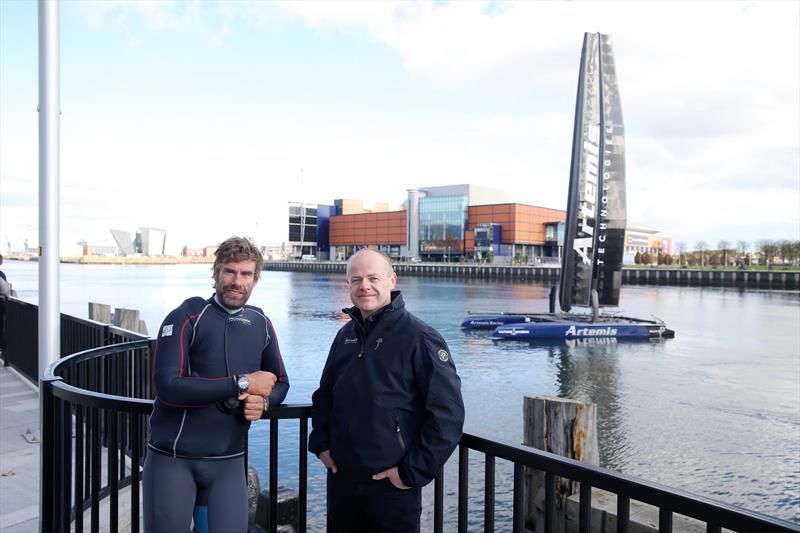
215 303
392 309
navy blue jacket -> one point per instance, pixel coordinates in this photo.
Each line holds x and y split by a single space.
389 396
201 346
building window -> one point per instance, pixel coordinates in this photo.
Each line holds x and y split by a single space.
442 221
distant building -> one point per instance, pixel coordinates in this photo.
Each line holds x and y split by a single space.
148 241
641 239
434 223
123 240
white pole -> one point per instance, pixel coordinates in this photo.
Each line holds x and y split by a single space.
49 312
49 136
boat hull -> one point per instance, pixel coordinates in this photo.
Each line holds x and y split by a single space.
567 329
492 321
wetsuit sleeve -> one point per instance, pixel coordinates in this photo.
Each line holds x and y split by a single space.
321 404
171 362
443 412
272 361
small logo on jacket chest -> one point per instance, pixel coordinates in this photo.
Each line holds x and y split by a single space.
443 356
350 341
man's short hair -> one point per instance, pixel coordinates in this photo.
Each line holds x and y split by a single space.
368 250
238 249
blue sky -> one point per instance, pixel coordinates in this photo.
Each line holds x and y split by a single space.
197 117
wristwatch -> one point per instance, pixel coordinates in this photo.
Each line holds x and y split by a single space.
243 383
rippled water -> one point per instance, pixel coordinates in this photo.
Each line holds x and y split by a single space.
715 411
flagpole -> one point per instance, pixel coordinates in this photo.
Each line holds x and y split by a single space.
49 136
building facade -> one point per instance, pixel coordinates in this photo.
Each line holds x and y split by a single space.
450 223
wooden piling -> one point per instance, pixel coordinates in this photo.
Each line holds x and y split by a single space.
564 427
100 312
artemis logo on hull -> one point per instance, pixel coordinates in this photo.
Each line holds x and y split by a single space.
590 332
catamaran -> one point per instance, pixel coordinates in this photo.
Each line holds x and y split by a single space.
591 266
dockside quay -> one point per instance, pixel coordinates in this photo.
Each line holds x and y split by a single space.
93 408
753 279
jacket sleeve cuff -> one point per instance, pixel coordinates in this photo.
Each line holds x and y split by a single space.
404 475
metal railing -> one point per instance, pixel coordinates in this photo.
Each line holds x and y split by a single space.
95 406
77 334
101 395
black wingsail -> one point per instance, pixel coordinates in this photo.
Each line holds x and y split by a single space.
596 215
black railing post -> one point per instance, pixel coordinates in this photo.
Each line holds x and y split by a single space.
623 513
438 502
585 515
463 488
303 503
519 499
47 457
488 494
273 475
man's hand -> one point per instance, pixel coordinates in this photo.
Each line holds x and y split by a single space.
328 461
394 478
261 383
253 406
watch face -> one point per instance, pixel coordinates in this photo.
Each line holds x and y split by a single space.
243 383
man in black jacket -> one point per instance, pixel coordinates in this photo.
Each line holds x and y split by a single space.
388 412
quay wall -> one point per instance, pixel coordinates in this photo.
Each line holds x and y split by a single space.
745 279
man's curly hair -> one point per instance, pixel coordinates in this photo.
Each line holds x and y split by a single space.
238 249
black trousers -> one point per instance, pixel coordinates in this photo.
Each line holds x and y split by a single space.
371 506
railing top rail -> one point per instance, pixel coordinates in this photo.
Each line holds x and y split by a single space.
101 400
661 496
127 333
53 371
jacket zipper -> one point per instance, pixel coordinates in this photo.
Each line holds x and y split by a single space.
399 433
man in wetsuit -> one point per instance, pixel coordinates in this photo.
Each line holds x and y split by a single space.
388 412
217 367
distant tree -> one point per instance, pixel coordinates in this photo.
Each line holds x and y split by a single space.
637 259
795 252
724 247
767 249
742 248
785 250
680 247
490 257
701 247
647 258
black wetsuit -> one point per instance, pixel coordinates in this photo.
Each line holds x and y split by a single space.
196 443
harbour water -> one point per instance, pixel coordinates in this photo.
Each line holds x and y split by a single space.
715 411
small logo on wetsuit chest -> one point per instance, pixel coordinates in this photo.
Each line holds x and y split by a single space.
240 319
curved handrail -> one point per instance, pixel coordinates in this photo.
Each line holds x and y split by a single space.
52 371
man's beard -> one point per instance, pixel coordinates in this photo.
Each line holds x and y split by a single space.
233 300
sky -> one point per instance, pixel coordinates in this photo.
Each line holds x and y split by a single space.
206 118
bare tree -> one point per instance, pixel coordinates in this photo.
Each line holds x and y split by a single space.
785 248
680 247
767 249
723 247
701 247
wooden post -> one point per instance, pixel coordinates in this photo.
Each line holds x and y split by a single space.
100 312
564 427
127 319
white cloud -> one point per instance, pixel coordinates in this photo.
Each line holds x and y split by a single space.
709 95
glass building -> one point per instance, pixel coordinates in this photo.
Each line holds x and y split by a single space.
442 222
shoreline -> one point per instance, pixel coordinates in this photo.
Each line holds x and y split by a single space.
128 260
